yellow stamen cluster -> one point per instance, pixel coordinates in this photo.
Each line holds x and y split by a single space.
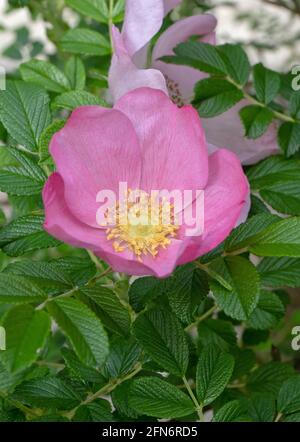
142 227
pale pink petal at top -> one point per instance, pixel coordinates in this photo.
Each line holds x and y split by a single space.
224 198
124 76
186 77
95 150
172 141
227 130
170 4
143 19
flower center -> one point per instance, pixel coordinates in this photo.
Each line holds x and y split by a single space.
141 224
174 92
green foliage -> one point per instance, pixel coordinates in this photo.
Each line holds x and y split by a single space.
87 344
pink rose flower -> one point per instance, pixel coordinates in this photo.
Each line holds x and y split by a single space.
150 143
128 71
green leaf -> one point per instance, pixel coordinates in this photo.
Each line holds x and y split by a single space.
26 333
27 179
24 112
256 120
46 75
279 239
186 289
80 370
244 361
13 52
17 290
261 407
292 418
288 137
198 55
233 411
75 71
143 290
277 272
157 398
79 268
161 335
43 273
240 302
120 399
294 105
74 99
277 181
266 83
268 312
269 378
236 61
85 42
25 234
96 9
289 396
218 332
48 392
122 357
83 329
213 96
214 370
97 411
46 137
273 170
108 307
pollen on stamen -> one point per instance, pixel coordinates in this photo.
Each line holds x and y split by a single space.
143 229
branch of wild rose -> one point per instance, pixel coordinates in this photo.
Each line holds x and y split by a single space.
71 292
201 318
108 388
26 410
199 407
279 115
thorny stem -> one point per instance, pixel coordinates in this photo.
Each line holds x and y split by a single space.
104 390
70 293
199 407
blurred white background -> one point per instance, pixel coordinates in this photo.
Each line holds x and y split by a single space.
247 21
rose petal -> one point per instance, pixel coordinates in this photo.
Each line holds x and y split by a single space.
227 130
60 222
143 19
225 196
184 76
170 4
161 266
172 141
95 150
124 76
